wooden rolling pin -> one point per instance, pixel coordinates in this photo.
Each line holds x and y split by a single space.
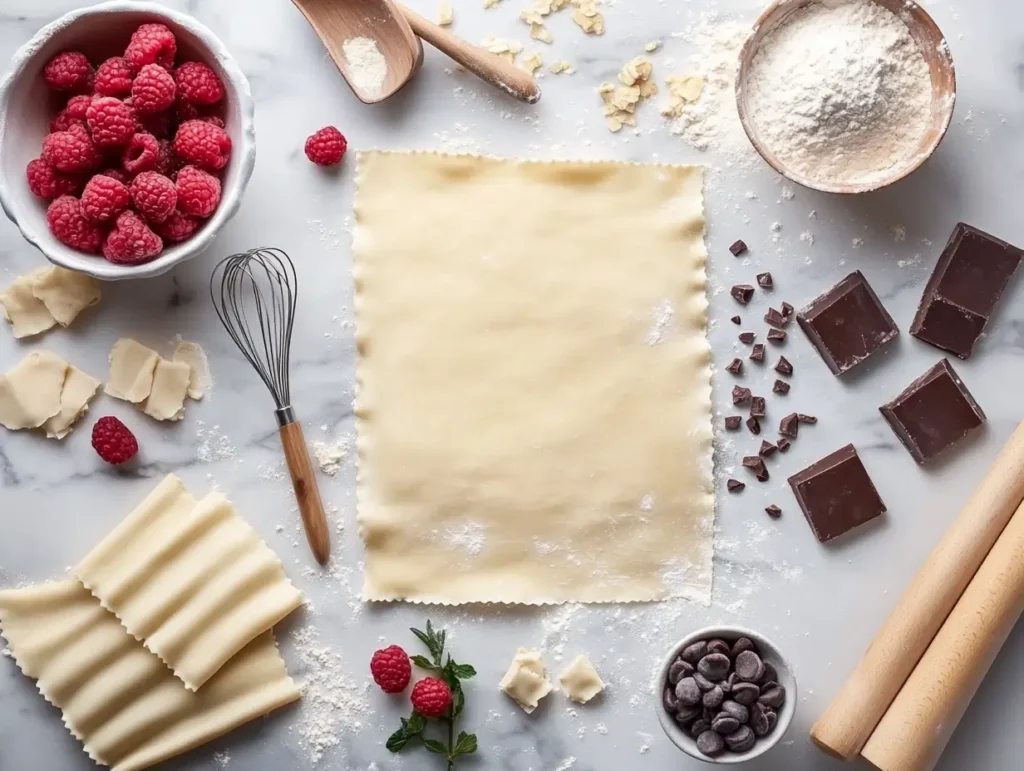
845 726
916 727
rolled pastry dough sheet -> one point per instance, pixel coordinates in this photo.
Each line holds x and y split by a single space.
533 384
189 579
116 697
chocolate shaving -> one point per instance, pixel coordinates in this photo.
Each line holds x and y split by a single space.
734 485
781 387
806 418
789 425
738 248
756 464
733 422
775 318
758 353
773 511
787 310
776 336
735 319
784 367
735 366
747 337
783 444
754 426
757 407
764 280
767 449
742 293
740 394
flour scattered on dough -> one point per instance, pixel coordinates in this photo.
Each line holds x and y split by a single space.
898 233
663 315
367 67
557 625
471 537
647 503
331 455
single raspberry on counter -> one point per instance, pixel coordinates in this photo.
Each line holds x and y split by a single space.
151 44
141 154
431 697
154 196
203 144
111 122
69 71
114 77
131 242
153 90
73 112
391 669
46 182
71 151
113 441
177 227
326 147
104 198
198 192
70 227
198 84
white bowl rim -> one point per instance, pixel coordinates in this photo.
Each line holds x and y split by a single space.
244 147
684 741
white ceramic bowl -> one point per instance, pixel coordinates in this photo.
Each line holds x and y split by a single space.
770 653
100 31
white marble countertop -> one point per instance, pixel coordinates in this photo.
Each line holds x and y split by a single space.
822 605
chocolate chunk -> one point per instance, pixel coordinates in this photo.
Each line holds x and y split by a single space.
757 353
714 697
836 494
754 426
758 720
757 407
781 387
734 485
745 693
772 697
679 670
742 293
742 644
735 319
806 418
724 723
711 743
738 248
714 666
732 422
719 646
773 511
776 336
775 318
772 717
787 310
699 727
783 444
756 464
784 367
687 714
735 367
741 740
933 413
740 394
702 682
737 710
764 280
965 286
767 449
687 692
749 668
770 675
747 337
789 426
694 652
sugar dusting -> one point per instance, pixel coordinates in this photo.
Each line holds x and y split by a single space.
212 444
330 456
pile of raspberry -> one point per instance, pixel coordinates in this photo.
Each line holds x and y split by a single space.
132 159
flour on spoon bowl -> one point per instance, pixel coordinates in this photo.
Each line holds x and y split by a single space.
367 67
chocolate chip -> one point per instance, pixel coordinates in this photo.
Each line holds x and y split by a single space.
745 693
766 685
738 248
759 720
757 354
780 387
734 485
740 394
719 646
775 318
711 743
699 727
741 740
727 683
767 450
686 714
724 723
756 464
714 666
702 682
772 718
770 675
754 426
737 711
789 426
773 697
687 692
735 319
679 670
743 643
757 407
806 418
776 336
749 667
773 511
694 652
747 337
783 444
787 310
714 697
784 367
668 698
735 367
733 422
764 280
742 293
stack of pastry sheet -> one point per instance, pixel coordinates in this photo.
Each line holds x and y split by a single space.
163 643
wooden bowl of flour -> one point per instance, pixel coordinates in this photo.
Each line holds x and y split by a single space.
766 139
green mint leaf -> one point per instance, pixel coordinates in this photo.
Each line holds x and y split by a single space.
397 741
458 702
440 642
465 744
415 724
424 638
435 746
423 663
463 671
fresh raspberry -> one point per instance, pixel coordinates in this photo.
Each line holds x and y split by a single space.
114 77
198 84
111 122
203 144
131 242
213 120
391 669
198 192
104 198
166 160
71 151
68 72
73 112
154 196
177 227
431 697
141 154
153 90
69 225
326 147
113 441
151 44
46 182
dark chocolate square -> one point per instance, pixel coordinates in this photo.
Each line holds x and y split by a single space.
933 413
836 494
847 324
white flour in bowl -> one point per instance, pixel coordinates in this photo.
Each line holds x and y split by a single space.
840 92
367 67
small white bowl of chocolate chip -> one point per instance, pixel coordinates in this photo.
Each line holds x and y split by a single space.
726 694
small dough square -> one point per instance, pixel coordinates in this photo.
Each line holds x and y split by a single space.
27 314
533 400
79 389
580 680
526 681
30 393
166 399
132 366
66 293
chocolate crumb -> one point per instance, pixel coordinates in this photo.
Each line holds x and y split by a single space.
747 337
806 418
773 511
775 318
789 425
764 280
754 426
767 449
781 387
732 422
787 310
735 319
756 464
738 248
741 395
757 406
742 293
735 367
734 485
784 367
776 335
783 444
757 354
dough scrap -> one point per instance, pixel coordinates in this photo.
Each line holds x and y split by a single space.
79 389
190 579
533 366
158 386
199 380
132 366
526 681
166 400
580 680
26 313
35 302
128 710
30 394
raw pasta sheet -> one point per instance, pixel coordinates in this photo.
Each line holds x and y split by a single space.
533 384
128 710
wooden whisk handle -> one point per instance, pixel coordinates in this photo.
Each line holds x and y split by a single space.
314 520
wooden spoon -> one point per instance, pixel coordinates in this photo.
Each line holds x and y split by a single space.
345 26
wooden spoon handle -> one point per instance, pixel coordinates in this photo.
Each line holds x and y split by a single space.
482 63
306 491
